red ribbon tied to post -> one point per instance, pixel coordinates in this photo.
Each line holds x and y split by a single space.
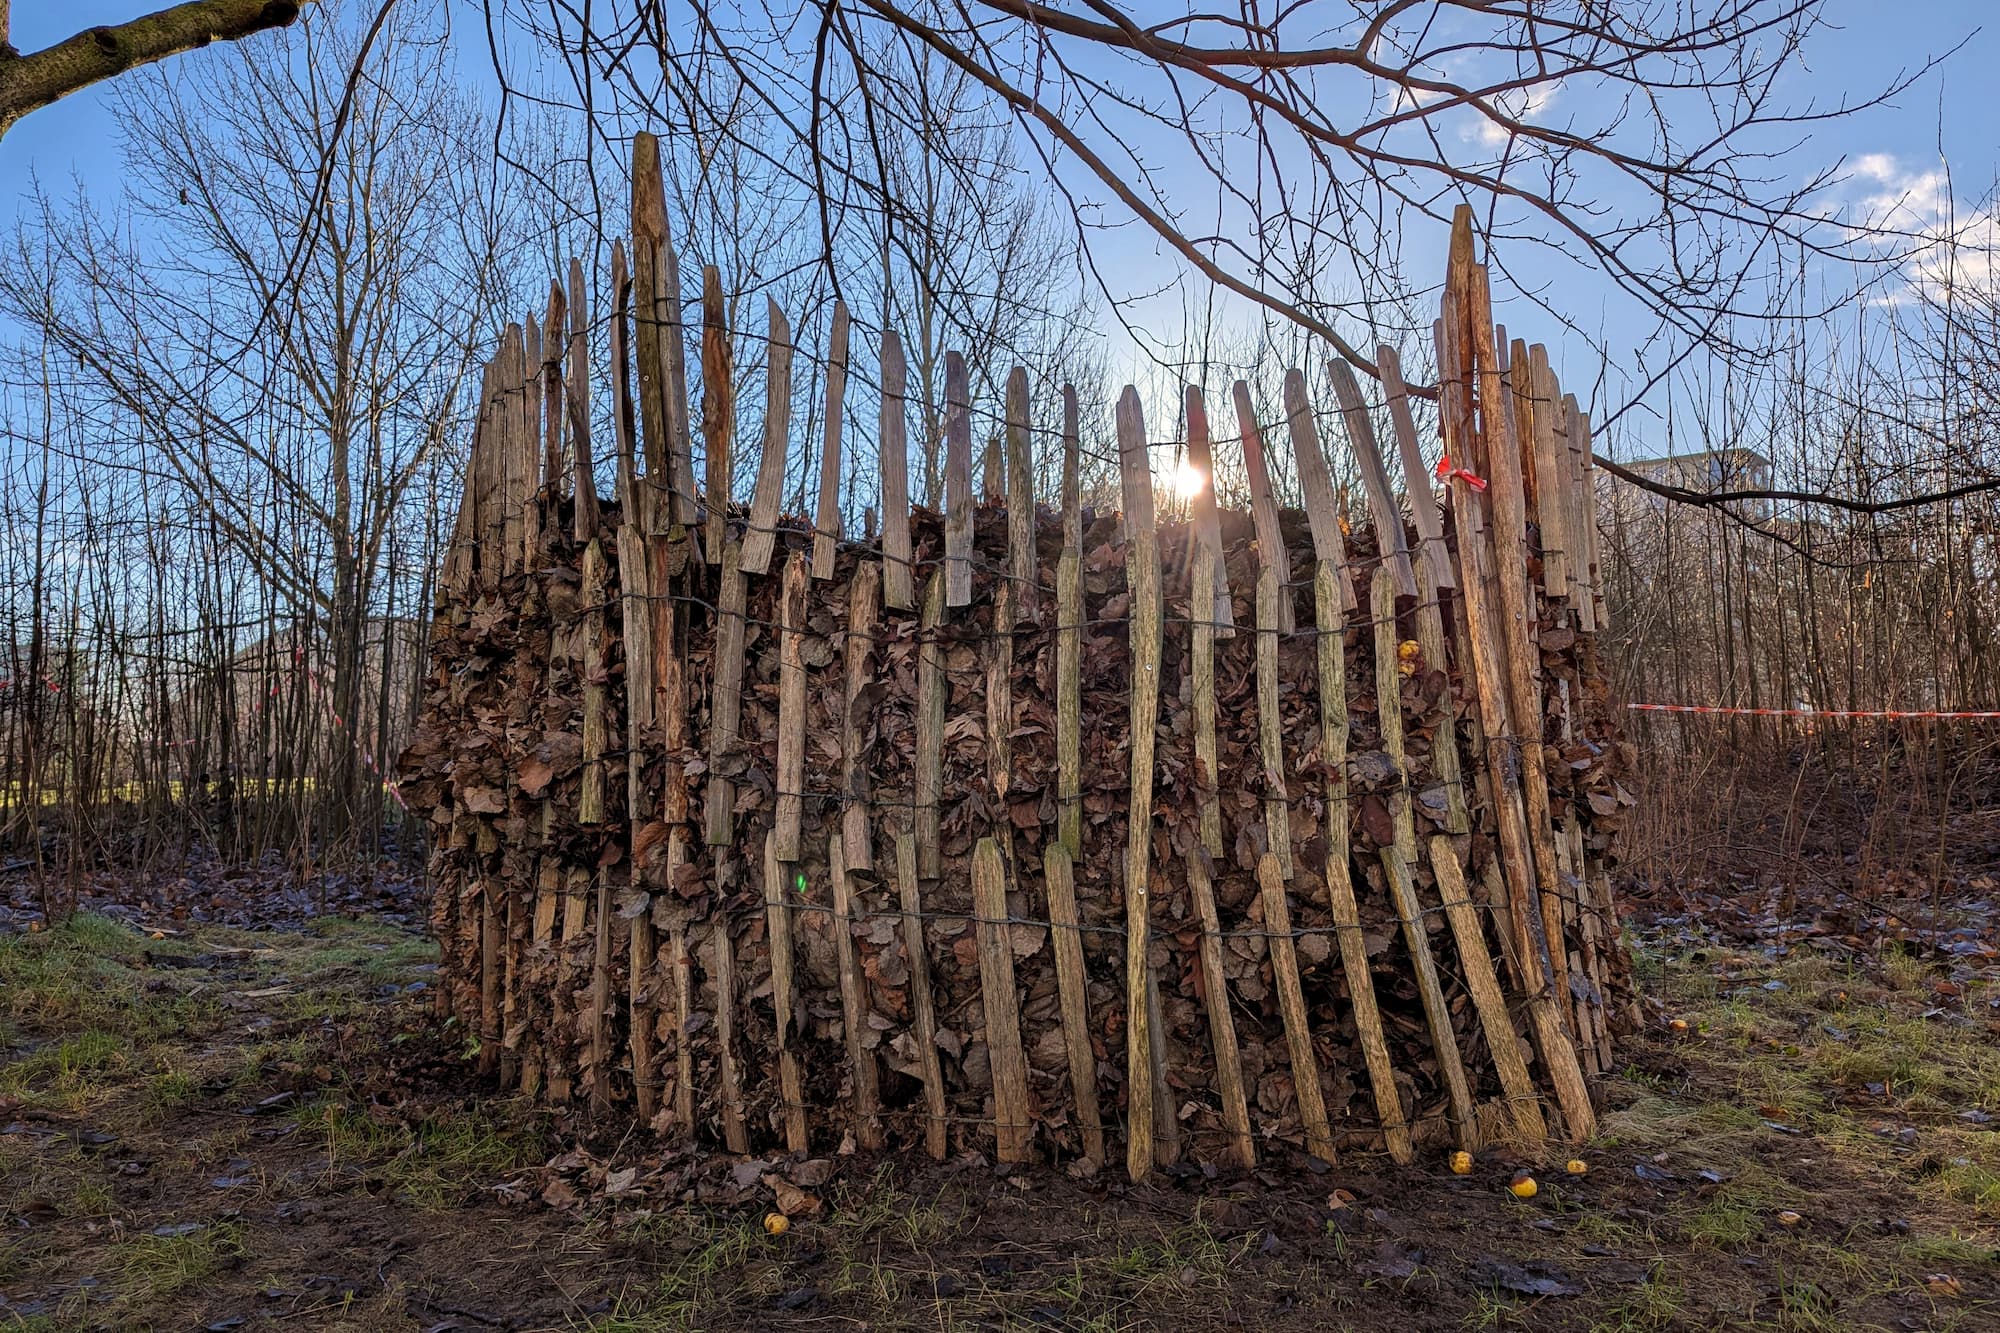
1446 472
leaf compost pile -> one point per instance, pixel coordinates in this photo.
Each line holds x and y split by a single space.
499 767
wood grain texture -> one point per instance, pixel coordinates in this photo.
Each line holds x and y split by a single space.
859 651
789 815
854 1006
1341 902
1399 859
928 775
826 521
1214 982
957 481
778 926
718 410
898 574
1143 578
1067 939
1271 552
768 494
1013 1127
923 1011
1292 1005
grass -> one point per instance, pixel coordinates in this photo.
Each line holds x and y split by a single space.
153 1267
962 1250
436 1164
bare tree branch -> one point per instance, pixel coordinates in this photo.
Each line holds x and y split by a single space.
31 82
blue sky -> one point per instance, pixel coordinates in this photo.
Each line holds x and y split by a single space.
1894 151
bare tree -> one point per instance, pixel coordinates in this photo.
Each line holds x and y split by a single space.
287 358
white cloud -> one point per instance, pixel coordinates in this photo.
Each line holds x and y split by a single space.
1943 243
1525 104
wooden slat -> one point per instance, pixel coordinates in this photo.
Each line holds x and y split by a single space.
1214 983
670 694
723 955
1475 962
778 924
1465 313
1142 565
854 1009
1580 440
826 526
555 403
788 818
929 763
957 481
1292 1005
1322 505
1400 856
768 494
860 650
1433 567
507 419
1000 709
1271 552
649 234
529 440
1341 903
1552 515
1067 940
1069 641
898 577
1519 653
1416 477
1207 514
576 387
922 1008
682 507
591 811
1391 543
725 708
718 409
622 408
1021 500
1270 731
680 967
635 588
1013 1128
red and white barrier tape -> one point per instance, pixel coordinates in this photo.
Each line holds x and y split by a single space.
1892 714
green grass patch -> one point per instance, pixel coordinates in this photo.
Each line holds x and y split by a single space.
152 1268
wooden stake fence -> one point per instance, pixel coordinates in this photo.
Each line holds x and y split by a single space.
1008 854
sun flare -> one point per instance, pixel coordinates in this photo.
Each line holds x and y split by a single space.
1188 480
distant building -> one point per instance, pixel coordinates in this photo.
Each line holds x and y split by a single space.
1711 471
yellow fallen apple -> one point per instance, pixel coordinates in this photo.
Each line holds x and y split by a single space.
777 1223
1577 1166
1678 1025
1461 1163
1523 1186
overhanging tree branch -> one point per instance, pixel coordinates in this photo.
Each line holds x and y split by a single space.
31 82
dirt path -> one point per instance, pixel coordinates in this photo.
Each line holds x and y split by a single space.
243 1128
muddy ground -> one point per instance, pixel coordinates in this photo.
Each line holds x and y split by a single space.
223 1110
